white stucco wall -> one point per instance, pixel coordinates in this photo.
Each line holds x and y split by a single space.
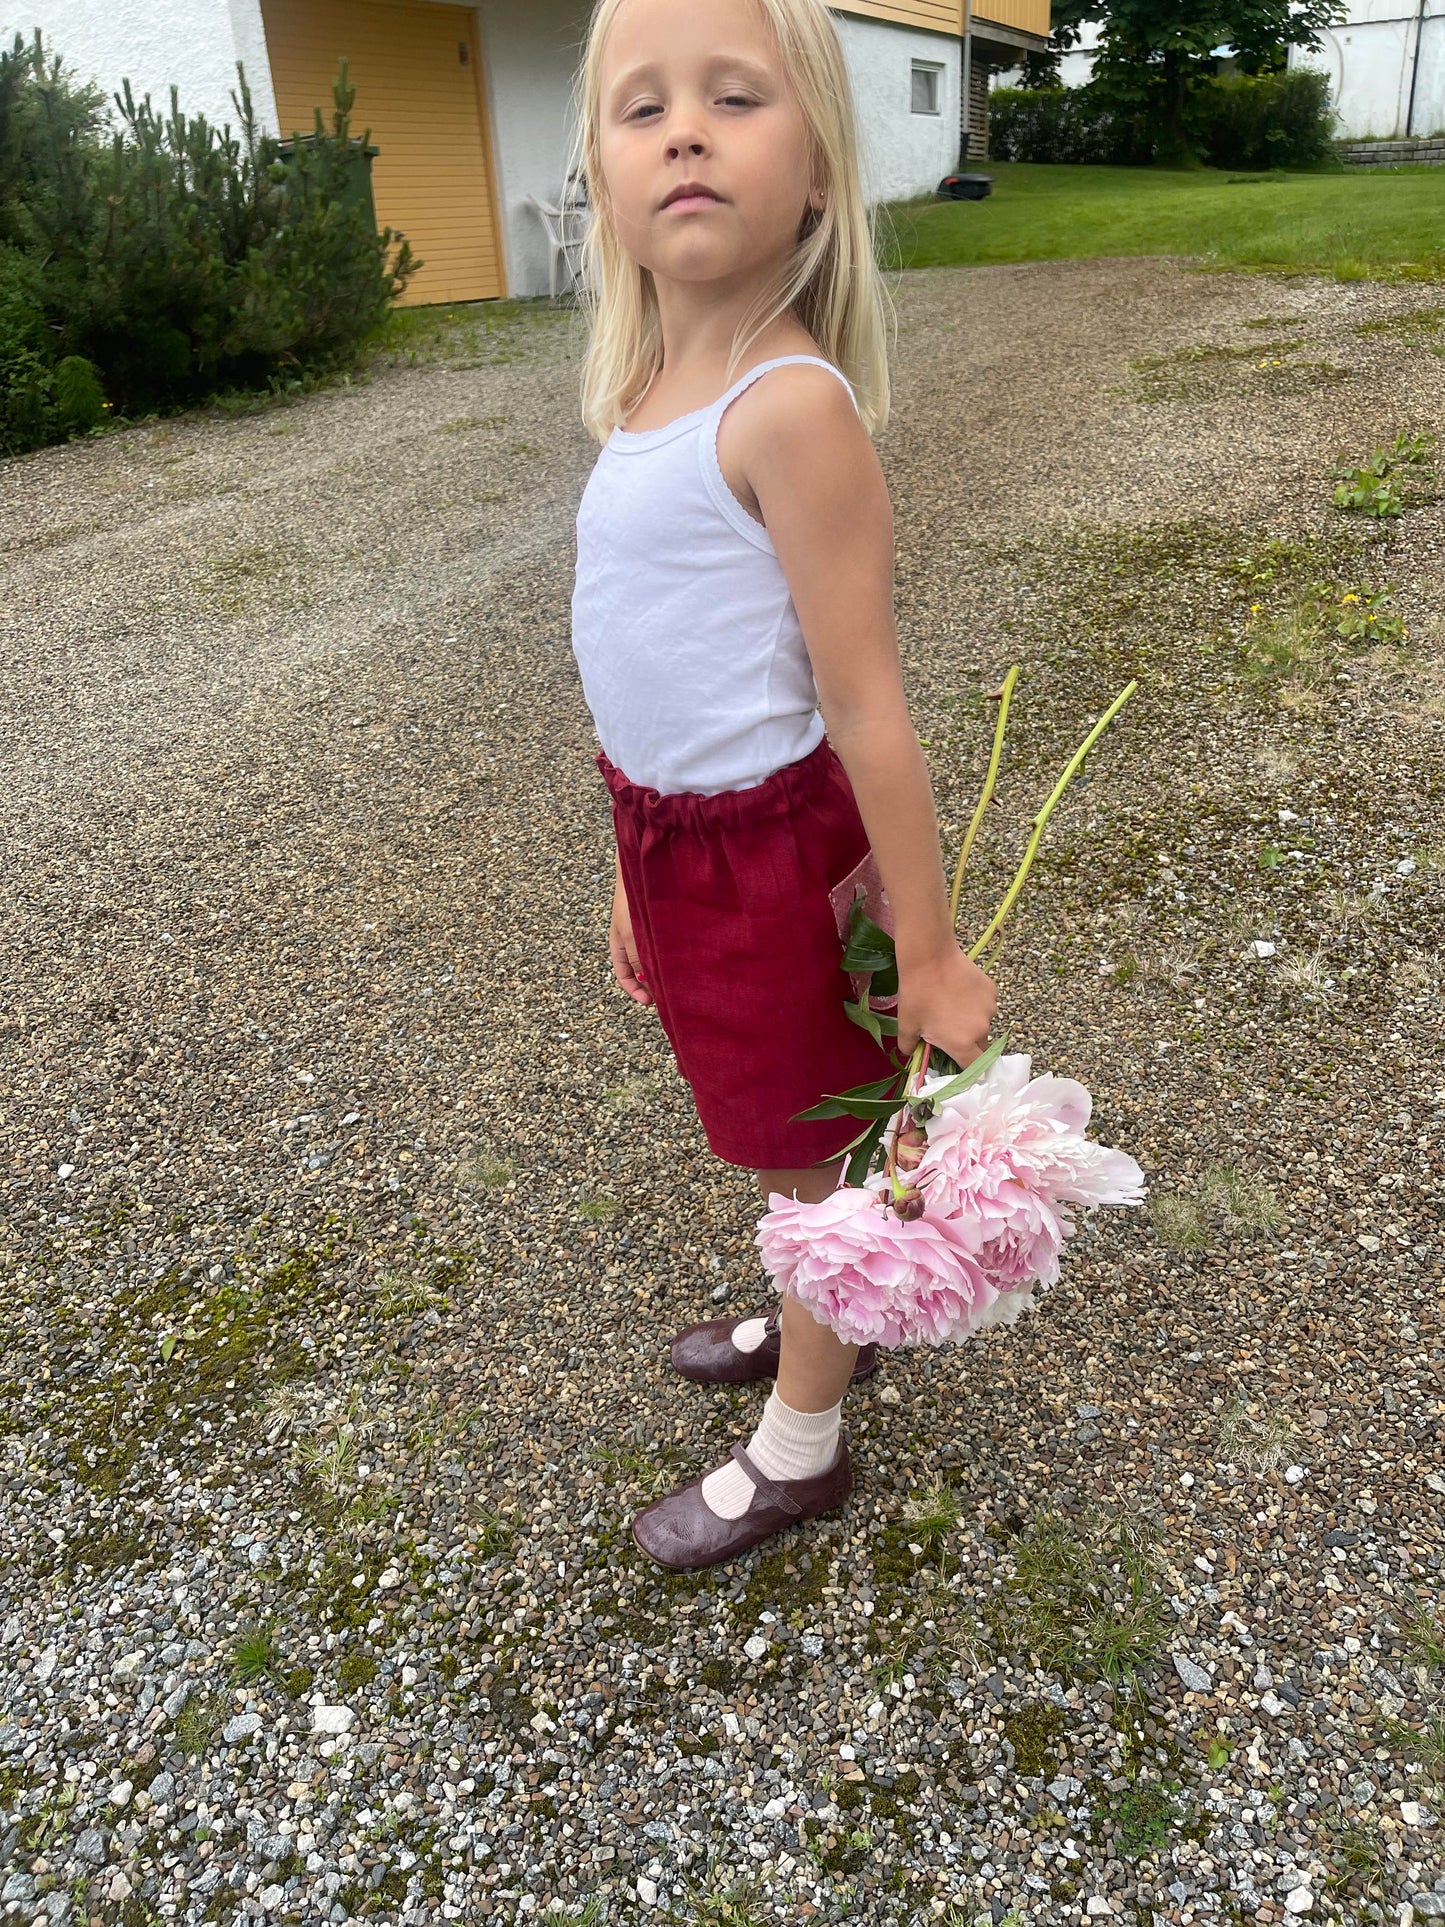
1075 67
155 44
1369 58
903 153
529 55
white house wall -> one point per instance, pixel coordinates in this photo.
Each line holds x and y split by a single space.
903 153
1075 67
529 56
155 44
1369 58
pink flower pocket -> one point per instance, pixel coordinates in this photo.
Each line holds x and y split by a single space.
864 883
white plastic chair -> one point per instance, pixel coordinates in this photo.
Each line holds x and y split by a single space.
566 228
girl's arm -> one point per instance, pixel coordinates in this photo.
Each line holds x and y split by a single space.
819 485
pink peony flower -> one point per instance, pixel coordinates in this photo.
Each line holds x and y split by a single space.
1006 1159
1003 1164
870 1276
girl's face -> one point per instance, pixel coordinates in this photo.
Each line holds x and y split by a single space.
693 92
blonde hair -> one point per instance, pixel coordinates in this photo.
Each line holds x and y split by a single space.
832 280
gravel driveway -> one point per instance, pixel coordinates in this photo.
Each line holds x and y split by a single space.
348 1208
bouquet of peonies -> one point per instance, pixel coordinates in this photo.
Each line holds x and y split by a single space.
959 1193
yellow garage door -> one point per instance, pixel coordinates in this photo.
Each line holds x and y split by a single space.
416 70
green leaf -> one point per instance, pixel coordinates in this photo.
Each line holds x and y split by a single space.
168 1346
852 1144
980 1067
840 1105
847 1107
864 1018
864 1149
884 983
869 947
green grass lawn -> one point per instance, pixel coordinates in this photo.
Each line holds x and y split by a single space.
1353 225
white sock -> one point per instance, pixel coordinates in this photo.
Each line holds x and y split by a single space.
749 1334
787 1445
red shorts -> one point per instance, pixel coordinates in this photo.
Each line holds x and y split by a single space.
738 942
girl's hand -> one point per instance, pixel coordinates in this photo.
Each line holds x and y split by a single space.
623 949
948 1000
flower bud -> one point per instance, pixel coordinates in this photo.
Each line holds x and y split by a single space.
907 1205
908 1152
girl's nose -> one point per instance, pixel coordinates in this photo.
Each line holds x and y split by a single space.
683 139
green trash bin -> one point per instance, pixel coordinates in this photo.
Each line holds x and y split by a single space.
358 192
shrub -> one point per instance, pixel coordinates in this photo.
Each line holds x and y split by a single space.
27 358
1072 124
1253 121
46 124
1245 121
163 261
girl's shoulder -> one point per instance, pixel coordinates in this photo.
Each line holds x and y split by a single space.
807 410
789 388
794 393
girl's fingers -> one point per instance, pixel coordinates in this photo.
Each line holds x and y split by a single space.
624 968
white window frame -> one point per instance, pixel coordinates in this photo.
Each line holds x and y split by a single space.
934 72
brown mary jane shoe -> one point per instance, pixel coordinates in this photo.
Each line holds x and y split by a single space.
706 1352
680 1531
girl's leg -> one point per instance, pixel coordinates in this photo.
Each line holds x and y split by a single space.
798 1435
814 1367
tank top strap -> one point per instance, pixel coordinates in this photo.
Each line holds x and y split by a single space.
715 482
779 361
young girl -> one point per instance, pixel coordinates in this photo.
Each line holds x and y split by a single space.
734 574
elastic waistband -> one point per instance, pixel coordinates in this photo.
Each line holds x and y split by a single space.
783 791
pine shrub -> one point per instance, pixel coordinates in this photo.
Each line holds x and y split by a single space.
150 265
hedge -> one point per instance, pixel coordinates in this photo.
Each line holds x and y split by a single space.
1235 121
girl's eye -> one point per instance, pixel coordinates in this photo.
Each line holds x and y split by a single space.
728 100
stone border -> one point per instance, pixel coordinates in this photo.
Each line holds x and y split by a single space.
1431 152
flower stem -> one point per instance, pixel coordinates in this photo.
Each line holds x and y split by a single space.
1071 770
1005 696
917 1066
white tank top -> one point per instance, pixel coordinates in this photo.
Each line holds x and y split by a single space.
690 651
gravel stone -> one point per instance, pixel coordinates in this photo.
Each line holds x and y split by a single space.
1193 1677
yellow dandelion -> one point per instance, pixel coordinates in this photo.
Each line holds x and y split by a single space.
1351 597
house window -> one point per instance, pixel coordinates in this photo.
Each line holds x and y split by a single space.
927 88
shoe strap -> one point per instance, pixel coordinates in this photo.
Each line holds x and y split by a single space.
773 1493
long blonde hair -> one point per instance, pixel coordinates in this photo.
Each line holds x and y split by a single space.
832 280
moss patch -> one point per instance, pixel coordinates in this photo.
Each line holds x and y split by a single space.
1416 324
1033 1730
177 1357
1207 371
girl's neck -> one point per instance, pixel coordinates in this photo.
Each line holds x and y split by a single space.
698 322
